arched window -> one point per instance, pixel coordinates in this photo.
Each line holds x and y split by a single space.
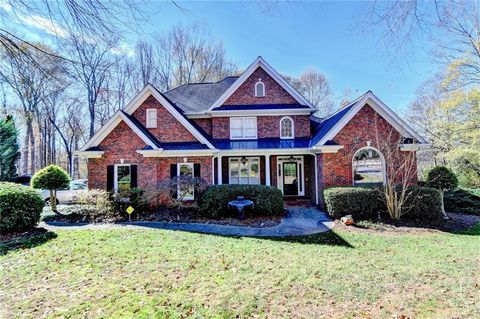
286 127
259 88
368 167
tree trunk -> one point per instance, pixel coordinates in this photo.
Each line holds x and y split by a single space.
443 206
32 151
53 201
26 144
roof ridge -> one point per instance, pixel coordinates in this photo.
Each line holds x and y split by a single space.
203 83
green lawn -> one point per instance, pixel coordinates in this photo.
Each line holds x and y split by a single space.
165 274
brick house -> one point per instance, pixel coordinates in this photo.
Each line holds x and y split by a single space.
251 129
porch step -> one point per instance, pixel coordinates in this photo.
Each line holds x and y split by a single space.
302 202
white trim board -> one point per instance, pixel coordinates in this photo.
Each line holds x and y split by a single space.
260 62
150 90
373 101
131 107
108 127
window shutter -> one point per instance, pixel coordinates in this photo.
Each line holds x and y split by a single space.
133 176
196 170
110 176
173 174
173 170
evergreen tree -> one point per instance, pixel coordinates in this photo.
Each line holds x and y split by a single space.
9 150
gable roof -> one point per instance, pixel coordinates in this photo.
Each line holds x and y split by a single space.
260 62
198 97
112 123
331 125
137 127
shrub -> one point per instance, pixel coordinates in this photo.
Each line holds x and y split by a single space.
442 178
463 201
96 205
267 200
170 187
20 207
360 202
368 203
423 203
138 198
52 178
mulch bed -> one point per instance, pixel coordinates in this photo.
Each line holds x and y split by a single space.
457 222
190 216
165 215
22 235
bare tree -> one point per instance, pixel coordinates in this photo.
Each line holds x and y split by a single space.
185 54
31 86
91 70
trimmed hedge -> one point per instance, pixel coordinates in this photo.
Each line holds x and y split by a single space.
368 203
360 202
268 200
465 201
20 207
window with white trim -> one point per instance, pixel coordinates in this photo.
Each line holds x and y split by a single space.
185 187
286 127
259 88
368 167
244 170
151 121
243 128
122 178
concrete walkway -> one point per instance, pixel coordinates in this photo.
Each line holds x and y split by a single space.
299 221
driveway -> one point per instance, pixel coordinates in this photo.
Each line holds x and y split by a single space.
299 221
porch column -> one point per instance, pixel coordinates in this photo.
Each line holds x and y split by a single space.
219 169
267 170
316 178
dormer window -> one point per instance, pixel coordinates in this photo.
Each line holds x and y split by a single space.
286 127
259 89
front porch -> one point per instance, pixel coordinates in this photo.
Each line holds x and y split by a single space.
293 174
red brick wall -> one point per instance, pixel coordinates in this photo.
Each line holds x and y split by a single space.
274 93
367 125
205 124
267 126
168 129
122 143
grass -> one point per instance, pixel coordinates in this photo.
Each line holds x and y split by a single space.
145 273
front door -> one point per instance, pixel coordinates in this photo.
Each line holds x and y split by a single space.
290 179
290 175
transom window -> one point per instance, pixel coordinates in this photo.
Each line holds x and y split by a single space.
151 121
185 187
244 170
286 127
259 89
122 178
243 128
368 167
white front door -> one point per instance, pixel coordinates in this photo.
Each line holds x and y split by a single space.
290 175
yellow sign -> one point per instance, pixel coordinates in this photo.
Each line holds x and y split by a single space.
130 210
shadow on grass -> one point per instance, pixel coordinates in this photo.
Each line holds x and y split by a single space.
27 240
329 238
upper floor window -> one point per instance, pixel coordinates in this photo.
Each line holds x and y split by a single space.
151 121
286 127
259 89
243 128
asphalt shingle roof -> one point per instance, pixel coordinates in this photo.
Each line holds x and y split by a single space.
198 97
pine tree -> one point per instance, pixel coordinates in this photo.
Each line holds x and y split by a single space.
9 150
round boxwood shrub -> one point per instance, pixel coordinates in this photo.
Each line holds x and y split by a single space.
268 200
360 202
442 178
20 207
52 178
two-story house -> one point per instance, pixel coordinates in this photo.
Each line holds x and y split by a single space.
251 129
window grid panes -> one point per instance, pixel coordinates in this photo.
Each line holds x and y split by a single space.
368 168
286 128
123 178
185 187
259 89
244 173
151 118
243 127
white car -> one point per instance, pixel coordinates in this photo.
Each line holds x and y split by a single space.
66 196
